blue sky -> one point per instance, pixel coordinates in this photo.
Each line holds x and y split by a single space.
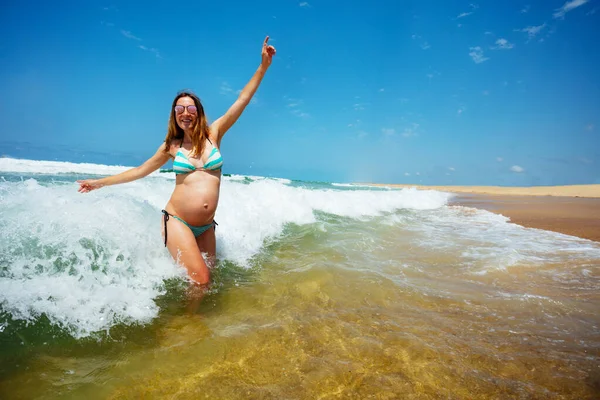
430 92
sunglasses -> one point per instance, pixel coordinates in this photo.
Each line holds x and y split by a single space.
190 109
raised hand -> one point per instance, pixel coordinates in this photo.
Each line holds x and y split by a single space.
268 52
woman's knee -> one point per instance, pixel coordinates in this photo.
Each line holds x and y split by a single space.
199 273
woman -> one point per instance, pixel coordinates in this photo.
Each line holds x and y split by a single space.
188 224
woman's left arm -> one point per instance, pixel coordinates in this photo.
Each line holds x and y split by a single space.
222 125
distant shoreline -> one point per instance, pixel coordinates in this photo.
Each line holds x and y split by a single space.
570 209
592 190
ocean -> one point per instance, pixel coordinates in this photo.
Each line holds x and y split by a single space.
321 291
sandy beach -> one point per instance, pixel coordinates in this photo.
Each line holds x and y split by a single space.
590 191
572 210
569 215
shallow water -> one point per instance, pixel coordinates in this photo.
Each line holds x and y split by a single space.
327 292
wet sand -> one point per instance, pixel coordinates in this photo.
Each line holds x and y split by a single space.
588 191
573 209
573 216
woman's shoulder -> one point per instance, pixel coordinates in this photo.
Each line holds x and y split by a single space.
172 147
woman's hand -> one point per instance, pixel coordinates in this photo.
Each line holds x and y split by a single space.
88 185
267 53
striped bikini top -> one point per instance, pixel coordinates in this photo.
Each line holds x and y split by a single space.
182 165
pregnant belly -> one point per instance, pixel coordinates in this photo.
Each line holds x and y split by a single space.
197 206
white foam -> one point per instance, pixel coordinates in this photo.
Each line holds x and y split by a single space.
485 241
359 186
234 177
250 214
43 228
118 228
16 165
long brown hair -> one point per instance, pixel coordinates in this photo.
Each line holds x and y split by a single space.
200 131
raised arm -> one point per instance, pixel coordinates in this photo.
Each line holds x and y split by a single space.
152 164
222 125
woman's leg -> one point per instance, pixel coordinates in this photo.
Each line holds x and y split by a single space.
185 250
207 243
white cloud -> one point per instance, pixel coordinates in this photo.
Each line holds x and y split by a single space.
130 35
476 54
568 6
461 109
151 50
417 173
525 9
516 168
293 105
226 89
304 4
466 14
411 131
362 134
359 106
488 33
300 113
388 131
499 159
406 174
589 127
532 31
382 90
423 43
291 102
451 168
503 44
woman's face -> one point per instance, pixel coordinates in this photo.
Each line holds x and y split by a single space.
186 113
